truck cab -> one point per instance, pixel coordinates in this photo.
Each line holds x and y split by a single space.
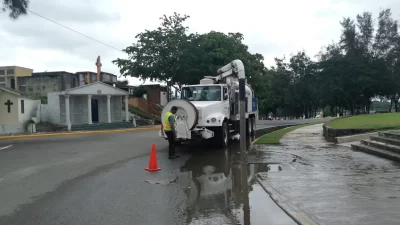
211 102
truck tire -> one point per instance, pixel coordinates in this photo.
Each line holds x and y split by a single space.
253 125
248 127
222 137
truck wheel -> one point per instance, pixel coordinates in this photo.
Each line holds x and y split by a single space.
253 125
223 138
248 127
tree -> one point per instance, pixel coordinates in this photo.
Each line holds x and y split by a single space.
16 8
363 65
355 70
278 86
138 92
156 55
386 48
170 54
292 87
304 94
213 50
122 83
349 74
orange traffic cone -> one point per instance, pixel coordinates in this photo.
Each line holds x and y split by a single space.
153 164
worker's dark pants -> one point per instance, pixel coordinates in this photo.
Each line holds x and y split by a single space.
171 141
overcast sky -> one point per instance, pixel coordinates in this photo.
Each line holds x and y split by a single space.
270 27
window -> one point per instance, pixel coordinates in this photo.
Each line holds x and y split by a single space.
22 106
10 72
2 72
74 82
225 92
202 93
2 79
114 79
12 83
22 88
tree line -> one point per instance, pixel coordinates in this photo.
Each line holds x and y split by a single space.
346 75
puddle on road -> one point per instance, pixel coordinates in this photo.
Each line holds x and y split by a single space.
264 210
220 189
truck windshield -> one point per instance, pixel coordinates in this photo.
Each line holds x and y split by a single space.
202 93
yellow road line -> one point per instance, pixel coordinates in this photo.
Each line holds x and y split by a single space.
156 127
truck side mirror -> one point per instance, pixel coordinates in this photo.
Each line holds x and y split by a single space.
226 96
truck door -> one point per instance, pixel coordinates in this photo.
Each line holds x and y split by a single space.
225 101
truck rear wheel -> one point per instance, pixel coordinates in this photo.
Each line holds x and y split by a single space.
253 125
222 136
248 127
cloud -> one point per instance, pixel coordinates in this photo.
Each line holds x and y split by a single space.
272 28
81 11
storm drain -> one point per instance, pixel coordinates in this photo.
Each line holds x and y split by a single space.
162 182
273 168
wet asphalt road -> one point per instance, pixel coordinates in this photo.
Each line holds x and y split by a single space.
100 179
32 168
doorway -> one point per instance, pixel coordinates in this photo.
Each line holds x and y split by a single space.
95 111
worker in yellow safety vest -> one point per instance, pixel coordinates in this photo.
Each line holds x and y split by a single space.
169 127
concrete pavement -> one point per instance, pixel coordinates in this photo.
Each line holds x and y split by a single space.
262 123
331 183
73 133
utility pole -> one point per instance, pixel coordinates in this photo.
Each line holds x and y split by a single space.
237 68
168 91
242 116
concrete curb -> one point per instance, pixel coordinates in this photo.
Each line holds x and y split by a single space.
273 129
353 138
299 216
44 135
331 134
270 130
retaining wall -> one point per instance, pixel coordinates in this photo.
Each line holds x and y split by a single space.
331 133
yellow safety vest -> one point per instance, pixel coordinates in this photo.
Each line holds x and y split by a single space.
167 125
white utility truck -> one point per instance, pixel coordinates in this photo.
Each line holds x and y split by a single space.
211 108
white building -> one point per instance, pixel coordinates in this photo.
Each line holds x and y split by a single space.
16 110
93 103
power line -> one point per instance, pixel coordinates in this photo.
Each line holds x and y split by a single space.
93 39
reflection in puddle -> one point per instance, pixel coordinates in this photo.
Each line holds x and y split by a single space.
219 189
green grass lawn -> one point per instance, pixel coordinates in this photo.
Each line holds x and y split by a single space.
274 138
373 121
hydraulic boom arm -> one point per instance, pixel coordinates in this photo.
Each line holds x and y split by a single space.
235 68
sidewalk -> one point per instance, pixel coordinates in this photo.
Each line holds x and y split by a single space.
70 133
331 183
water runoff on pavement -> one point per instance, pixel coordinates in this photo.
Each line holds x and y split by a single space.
221 188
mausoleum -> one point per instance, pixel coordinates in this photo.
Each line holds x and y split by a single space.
93 103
